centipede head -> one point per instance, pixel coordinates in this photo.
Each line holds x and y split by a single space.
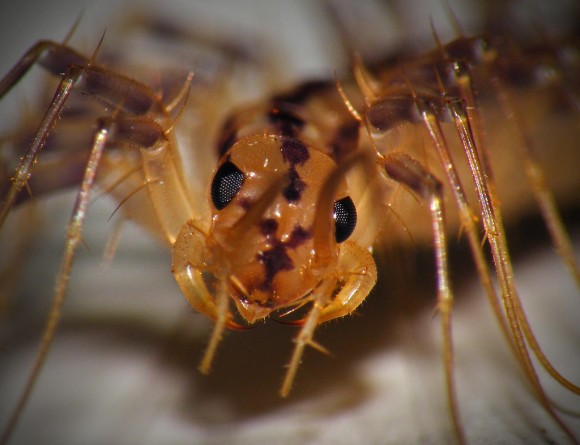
274 235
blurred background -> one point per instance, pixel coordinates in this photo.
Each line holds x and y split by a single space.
124 365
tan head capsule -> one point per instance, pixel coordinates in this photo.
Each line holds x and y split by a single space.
265 195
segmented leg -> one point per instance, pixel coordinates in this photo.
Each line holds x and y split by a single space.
468 119
542 194
496 236
534 172
113 89
357 268
388 111
140 131
74 234
407 171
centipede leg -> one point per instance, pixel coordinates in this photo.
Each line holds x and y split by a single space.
466 212
495 234
73 239
542 194
54 57
119 92
24 170
539 183
407 171
137 131
304 338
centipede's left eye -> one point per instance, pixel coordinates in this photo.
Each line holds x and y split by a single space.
344 218
226 184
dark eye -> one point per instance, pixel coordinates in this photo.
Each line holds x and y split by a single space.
345 218
226 184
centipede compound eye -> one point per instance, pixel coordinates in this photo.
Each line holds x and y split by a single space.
344 218
226 184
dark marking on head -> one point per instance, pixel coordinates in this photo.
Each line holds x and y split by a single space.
274 260
268 227
294 151
298 237
293 192
285 120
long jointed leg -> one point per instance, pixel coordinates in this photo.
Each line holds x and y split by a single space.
461 74
542 194
115 90
496 237
144 133
466 213
538 181
74 233
131 125
407 171
357 267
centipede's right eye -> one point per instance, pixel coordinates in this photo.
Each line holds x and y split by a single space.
344 218
226 184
